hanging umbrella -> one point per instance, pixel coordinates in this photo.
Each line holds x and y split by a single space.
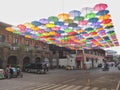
111 32
63 27
74 13
53 18
86 10
108 27
9 29
73 25
89 29
63 16
78 18
50 25
44 21
68 21
102 12
59 23
90 15
95 24
36 23
21 26
93 20
83 22
77 28
106 21
67 30
107 16
60 31
99 7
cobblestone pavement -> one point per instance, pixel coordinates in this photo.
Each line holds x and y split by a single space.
65 80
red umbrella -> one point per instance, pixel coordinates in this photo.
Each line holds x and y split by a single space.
106 21
99 7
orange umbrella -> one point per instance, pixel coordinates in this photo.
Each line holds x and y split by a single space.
107 16
63 16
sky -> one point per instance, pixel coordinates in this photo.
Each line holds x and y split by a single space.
16 12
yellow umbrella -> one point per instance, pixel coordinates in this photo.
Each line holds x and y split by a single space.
63 16
35 28
80 31
29 25
9 29
28 36
50 25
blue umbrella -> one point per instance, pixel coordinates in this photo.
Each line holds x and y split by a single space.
74 13
93 20
73 25
60 31
89 29
36 23
59 23
102 12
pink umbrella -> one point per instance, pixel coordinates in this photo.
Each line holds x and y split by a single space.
83 22
99 7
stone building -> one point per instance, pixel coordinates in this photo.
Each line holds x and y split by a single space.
18 50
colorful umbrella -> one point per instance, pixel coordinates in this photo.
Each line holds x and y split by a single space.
86 10
63 16
36 23
73 25
90 15
99 7
74 13
93 20
44 21
68 21
102 12
78 18
53 18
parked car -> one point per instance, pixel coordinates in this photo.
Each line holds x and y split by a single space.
36 68
2 74
118 66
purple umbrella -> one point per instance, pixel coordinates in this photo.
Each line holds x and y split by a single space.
44 21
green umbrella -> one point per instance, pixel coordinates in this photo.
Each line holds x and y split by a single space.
67 30
53 18
79 18
68 21
90 15
39 34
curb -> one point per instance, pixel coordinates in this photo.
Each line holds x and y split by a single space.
118 86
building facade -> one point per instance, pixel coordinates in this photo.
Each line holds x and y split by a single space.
18 50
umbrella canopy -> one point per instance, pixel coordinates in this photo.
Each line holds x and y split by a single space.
93 20
44 21
53 18
36 23
90 15
86 10
73 25
63 16
102 12
78 18
99 7
74 13
68 21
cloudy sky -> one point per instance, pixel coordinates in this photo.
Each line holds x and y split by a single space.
21 11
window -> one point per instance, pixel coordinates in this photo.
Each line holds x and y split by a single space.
27 43
2 38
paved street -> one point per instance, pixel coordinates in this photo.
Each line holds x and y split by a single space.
95 79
